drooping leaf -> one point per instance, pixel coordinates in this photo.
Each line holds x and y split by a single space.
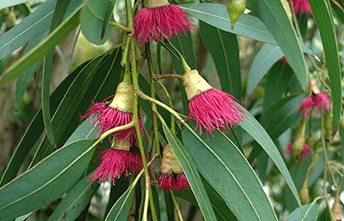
48 180
191 173
323 16
273 15
235 180
264 60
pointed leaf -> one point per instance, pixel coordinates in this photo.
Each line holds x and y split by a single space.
323 16
48 180
273 15
234 179
191 173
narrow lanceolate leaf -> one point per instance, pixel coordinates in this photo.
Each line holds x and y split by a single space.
252 127
266 57
48 180
8 3
273 15
323 16
191 173
35 129
277 81
93 20
310 213
33 25
60 10
120 209
224 49
75 200
234 180
248 26
41 49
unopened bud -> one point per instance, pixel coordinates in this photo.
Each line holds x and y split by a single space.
299 138
11 20
304 195
235 8
336 208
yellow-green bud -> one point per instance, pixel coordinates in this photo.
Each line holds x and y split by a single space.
11 20
304 195
124 97
299 138
342 123
328 124
169 162
235 8
194 84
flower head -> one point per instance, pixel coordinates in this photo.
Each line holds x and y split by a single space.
117 162
171 175
319 102
159 21
302 6
119 112
304 152
211 108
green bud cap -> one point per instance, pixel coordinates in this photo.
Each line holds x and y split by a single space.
299 138
194 84
157 3
304 195
123 100
169 162
11 20
235 8
123 144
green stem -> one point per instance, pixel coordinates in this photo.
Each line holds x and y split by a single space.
137 127
176 206
173 127
130 17
184 63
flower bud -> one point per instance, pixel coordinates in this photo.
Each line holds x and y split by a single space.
299 138
304 195
328 124
11 20
336 208
235 8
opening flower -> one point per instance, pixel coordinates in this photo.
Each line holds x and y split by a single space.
171 175
301 6
118 162
304 152
319 102
159 21
211 108
119 112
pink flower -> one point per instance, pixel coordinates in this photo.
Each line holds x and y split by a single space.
211 108
302 6
173 181
160 23
117 163
171 175
304 152
319 102
284 59
117 113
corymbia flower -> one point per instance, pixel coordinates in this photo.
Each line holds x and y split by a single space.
302 6
159 21
304 152
211 108
118 162
319 102
119 112
171 175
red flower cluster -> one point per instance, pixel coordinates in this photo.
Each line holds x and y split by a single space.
319 102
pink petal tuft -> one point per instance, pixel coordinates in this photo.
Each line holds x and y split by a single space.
214 109
302 6
172 181
160 23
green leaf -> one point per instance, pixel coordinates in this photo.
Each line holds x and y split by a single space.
246 196
116 192
191 174
323 16
48 180
120 209
84 131
276 83
25 78
266 57
252 127
96 81
75 200
224 49
36 128
41 49
8 3
273 15
93 18
311 212
217 16
33 25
